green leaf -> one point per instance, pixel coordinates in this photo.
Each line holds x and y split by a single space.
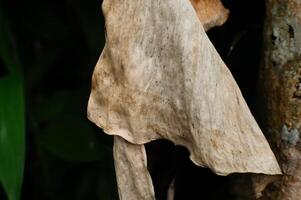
11 135
52 106
12 123
72 140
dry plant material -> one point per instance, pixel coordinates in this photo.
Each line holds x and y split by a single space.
159 77
133 178
210 12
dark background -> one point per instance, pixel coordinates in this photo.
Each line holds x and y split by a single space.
67 157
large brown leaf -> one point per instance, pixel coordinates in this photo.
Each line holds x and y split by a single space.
159 77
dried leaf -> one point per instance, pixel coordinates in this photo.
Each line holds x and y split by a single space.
210 12
133 178
159 77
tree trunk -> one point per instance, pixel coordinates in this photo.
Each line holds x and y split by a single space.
280 85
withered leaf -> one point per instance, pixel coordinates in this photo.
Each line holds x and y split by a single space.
210 12
159 77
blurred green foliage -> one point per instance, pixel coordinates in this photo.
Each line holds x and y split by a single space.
11 114
48 50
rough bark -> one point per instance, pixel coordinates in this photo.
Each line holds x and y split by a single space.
280 78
